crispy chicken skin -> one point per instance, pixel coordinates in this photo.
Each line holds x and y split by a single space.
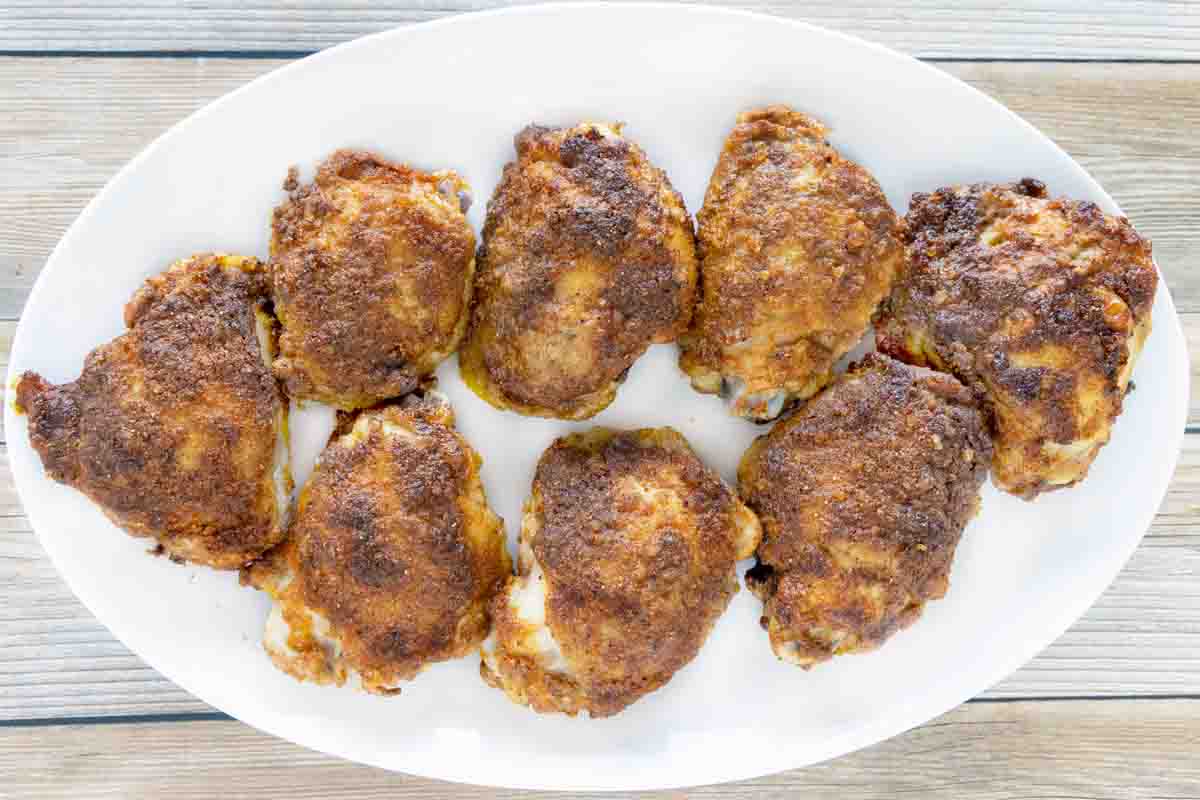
176 428
627 558
392 556
798 246
1040 305
588 257
863 496
372 266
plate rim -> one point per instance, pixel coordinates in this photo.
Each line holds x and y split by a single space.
917 709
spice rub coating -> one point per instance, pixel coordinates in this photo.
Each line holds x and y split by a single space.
1041 305
798 246
627 558
392 556
588 257
863 495
176 428
372 265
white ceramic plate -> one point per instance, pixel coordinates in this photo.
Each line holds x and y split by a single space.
452 94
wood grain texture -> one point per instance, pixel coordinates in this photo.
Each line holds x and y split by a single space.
67 125
1024 29
1141 638
1065 749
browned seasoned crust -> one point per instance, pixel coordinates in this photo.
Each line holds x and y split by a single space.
393 554
863 495
587 258
372 266
628 548
173 427
798 246
1040 305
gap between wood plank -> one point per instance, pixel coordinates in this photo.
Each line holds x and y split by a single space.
267 55
250 55
217 716
132 719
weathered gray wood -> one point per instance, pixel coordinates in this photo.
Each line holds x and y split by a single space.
1132 749
1141 638
1047 29
67 125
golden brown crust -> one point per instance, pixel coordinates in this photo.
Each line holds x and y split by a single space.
798 246
1040 305
634 541
587 258
393 554
863 495
173 427
372 266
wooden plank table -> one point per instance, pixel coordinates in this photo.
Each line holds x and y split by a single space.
1112 709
